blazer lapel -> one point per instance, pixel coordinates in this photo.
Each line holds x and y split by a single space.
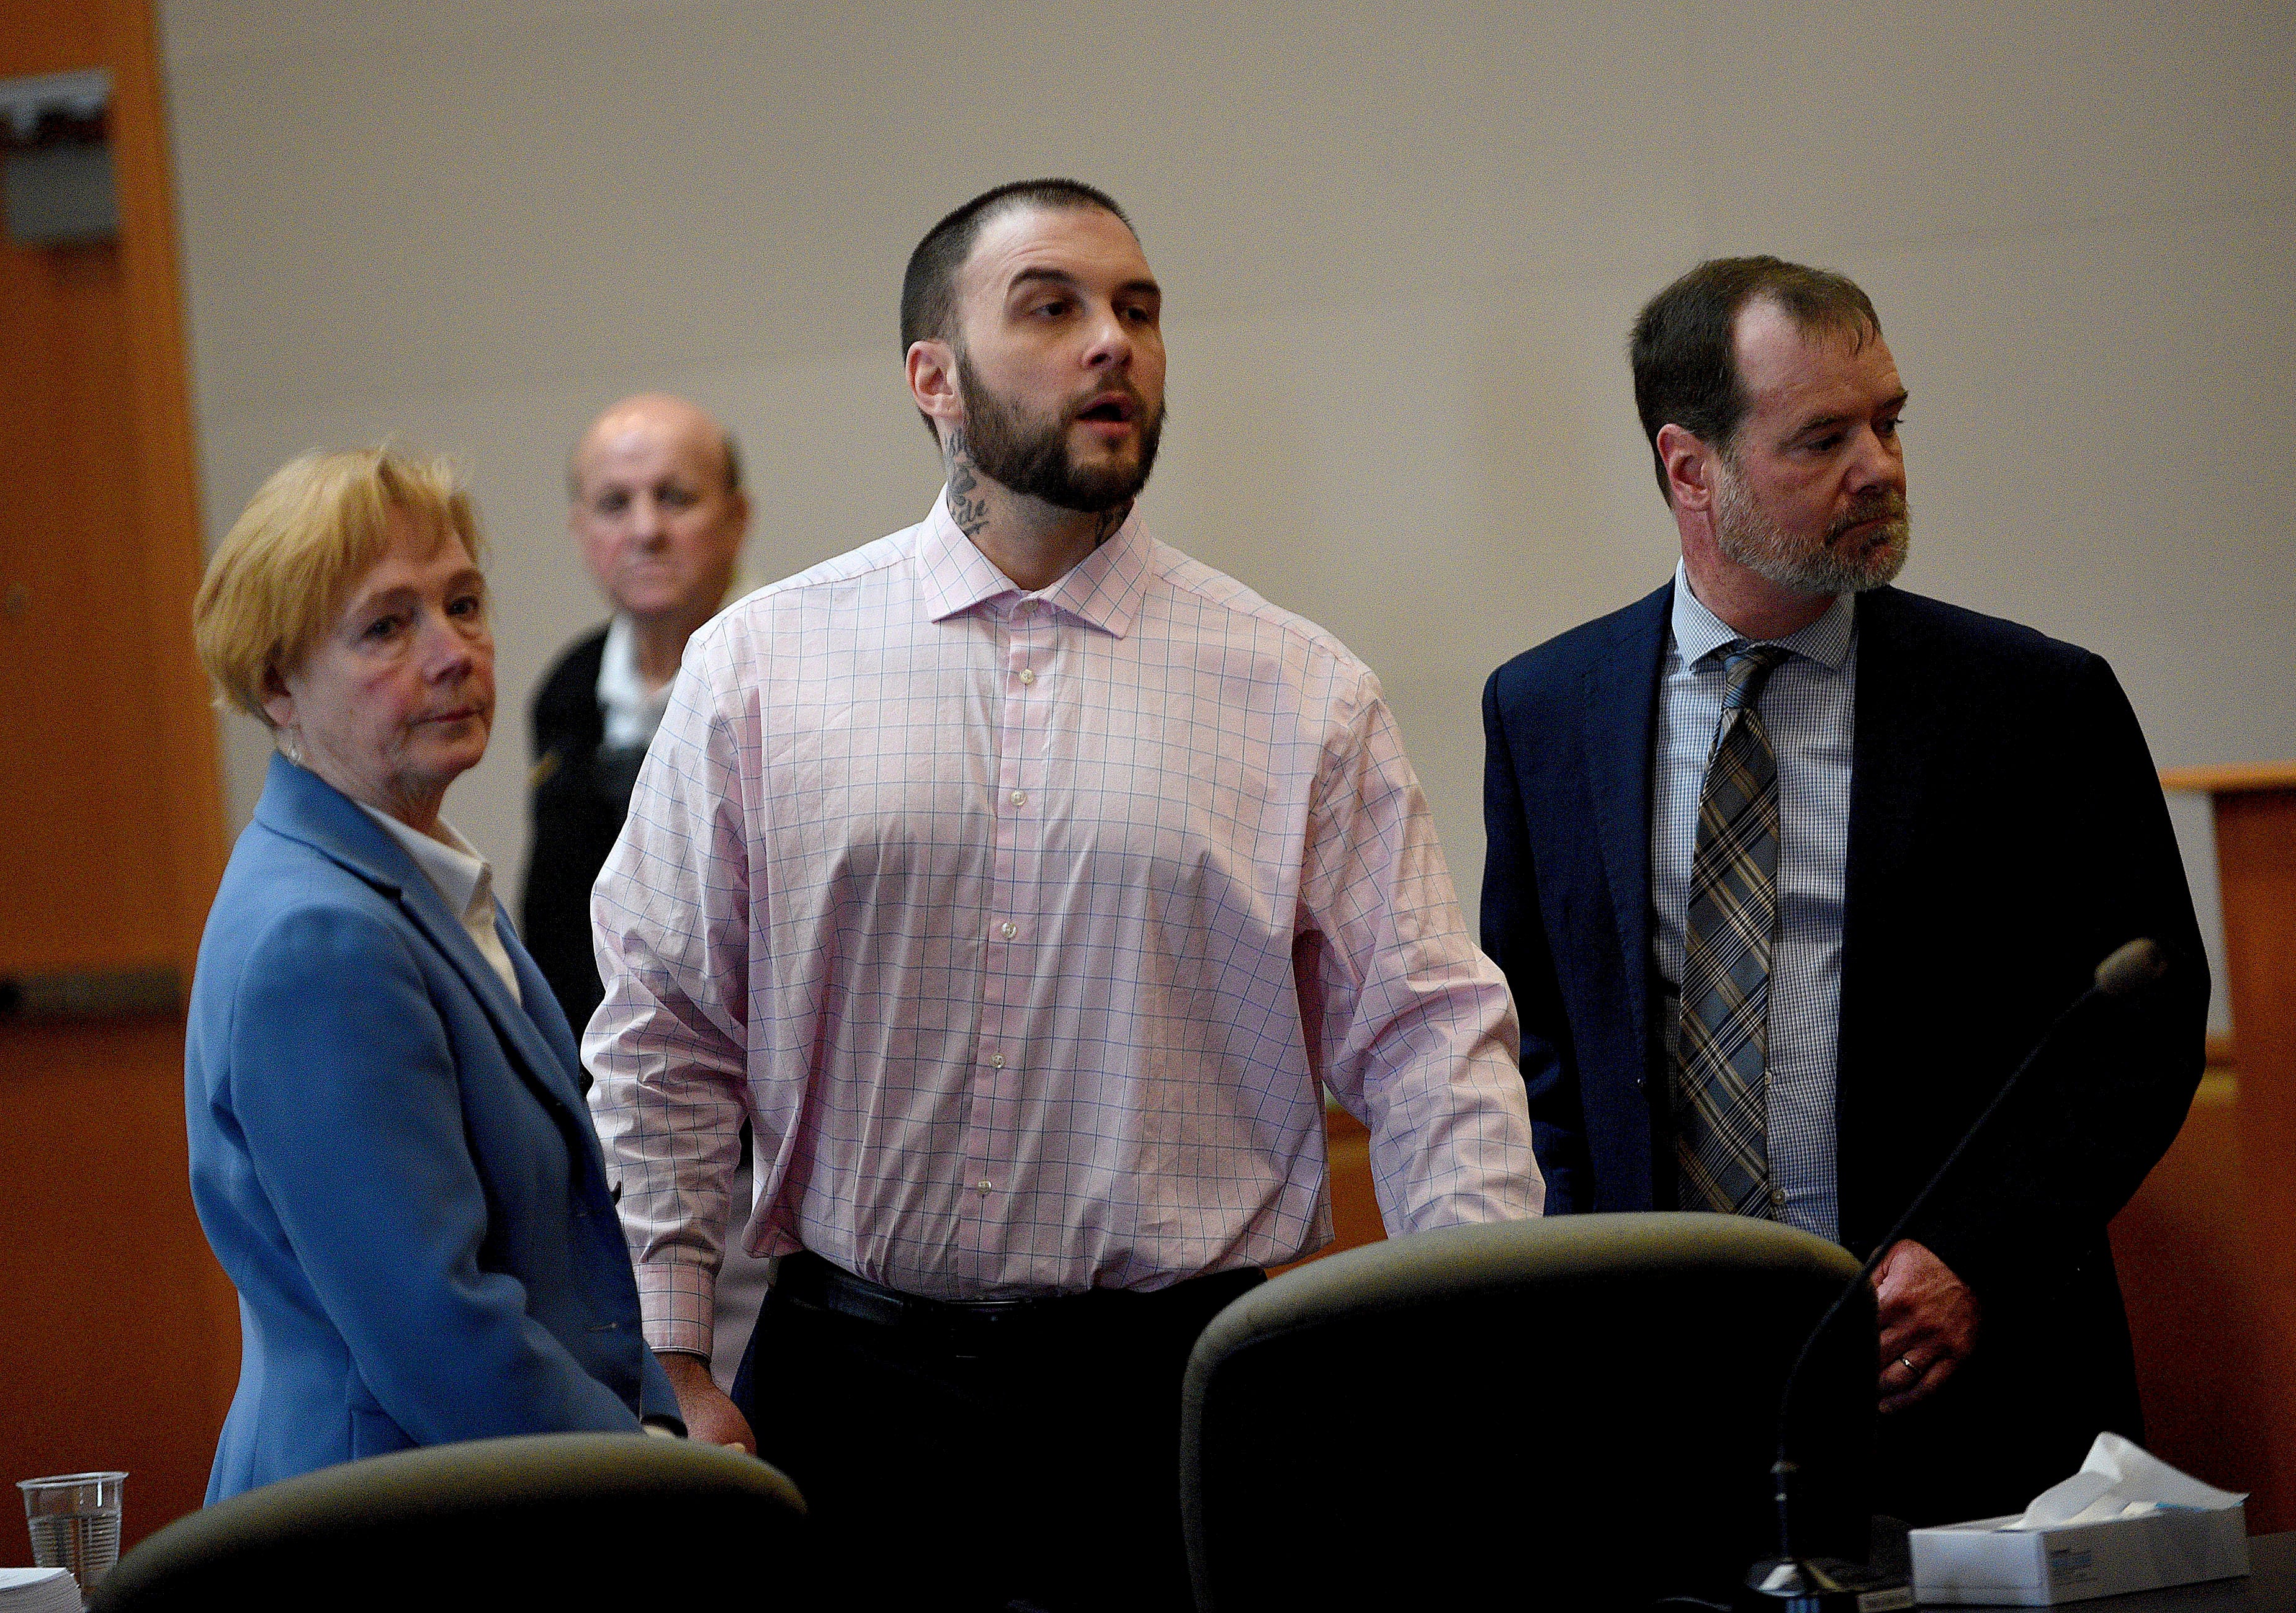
301 805
1621 702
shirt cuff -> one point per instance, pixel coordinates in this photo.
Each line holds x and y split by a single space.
677 1301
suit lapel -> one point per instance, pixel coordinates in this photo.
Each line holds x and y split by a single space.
1621 701
301 806
1893 749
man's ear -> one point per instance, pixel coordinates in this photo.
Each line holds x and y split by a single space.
1690 467
932 382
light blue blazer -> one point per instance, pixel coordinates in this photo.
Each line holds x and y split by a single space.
394 1164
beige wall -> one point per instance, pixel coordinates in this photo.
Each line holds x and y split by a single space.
1399 249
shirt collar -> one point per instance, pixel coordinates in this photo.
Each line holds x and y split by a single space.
1103 590
464 877
633 711
1699 633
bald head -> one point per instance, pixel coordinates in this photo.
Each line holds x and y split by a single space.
658 508
659 411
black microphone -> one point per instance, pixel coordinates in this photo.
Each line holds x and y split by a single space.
1786 1582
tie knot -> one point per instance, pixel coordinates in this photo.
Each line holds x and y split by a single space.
1746 671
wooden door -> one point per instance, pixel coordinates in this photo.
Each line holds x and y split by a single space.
2208 1249
121 1331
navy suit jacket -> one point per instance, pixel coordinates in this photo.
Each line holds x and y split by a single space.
392 1162
2006 832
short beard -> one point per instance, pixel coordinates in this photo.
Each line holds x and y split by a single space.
1031 457
1748 536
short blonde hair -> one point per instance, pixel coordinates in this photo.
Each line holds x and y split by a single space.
278 581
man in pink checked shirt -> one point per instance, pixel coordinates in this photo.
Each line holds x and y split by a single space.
1023 881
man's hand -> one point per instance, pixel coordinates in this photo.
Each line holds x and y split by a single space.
709 1416
1929 1323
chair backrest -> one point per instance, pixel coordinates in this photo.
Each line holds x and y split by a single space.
1581 1412
556 1520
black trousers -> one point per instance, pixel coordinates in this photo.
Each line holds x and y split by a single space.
955 1459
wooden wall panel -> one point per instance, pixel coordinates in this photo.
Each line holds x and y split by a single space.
2201 1321
2255 813
118 1345
1355 1204
122 1331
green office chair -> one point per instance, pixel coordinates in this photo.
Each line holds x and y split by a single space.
1578 1414
555 1521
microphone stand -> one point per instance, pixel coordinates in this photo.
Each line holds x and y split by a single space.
1787 1582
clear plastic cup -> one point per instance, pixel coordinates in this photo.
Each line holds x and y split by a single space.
75 1523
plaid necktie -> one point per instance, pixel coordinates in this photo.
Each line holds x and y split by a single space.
1721 1142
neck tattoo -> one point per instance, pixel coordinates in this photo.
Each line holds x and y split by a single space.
970 513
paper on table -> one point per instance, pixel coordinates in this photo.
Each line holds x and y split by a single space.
39 1591
2121 1481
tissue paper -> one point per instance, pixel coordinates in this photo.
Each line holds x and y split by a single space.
2126 1521
2120 1479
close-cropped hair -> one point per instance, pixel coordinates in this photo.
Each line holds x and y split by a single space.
1684 348
929 286
282 576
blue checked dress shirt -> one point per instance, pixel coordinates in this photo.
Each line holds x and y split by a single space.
1808 708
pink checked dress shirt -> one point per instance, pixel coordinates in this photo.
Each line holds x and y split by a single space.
1023 927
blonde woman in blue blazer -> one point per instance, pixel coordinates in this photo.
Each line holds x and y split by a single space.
389 1150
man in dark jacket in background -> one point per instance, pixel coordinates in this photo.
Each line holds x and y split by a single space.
656 504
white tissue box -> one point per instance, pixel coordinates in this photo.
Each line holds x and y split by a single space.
1983 1564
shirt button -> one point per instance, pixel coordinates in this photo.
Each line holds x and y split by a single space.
1008 930
1020 797
1027 675
1777 1197
996 1061
985 1185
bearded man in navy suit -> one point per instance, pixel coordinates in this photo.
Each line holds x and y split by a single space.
1966 820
